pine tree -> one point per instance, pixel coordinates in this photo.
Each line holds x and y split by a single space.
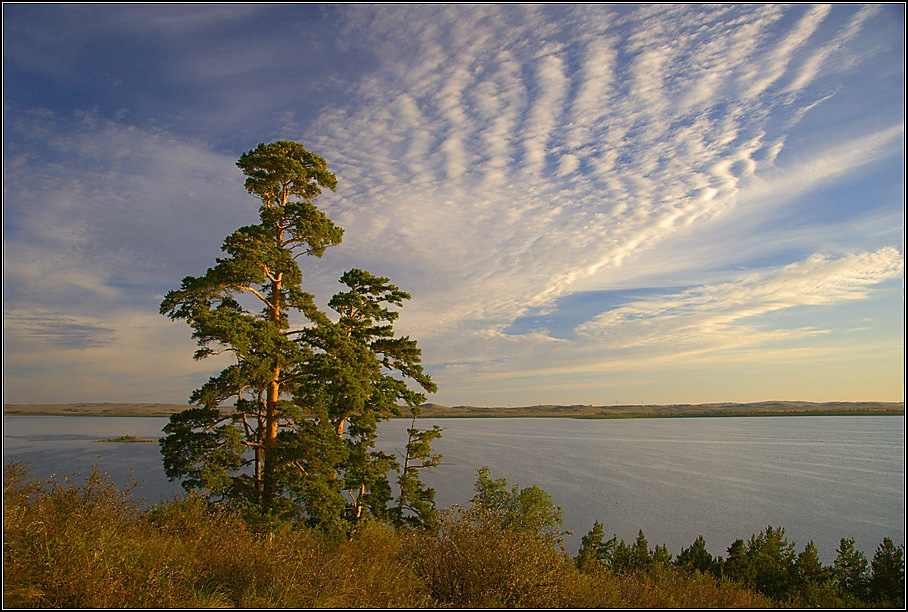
640 553
809 567
661 556
737 565
416 503
850 568
772 558
887 582
696 557
594 550
307 392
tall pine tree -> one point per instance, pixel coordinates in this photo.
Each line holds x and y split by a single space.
307 391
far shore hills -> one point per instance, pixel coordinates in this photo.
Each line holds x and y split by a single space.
577 411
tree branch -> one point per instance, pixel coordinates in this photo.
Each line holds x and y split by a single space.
254 292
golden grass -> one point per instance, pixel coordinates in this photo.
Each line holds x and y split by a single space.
88 545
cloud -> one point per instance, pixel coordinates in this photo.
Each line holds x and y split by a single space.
703 315
612 159
120 355
723 325
774 64
57 329
102 206
550 87
492 160
811 67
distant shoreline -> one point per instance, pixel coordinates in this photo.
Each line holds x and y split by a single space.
577 411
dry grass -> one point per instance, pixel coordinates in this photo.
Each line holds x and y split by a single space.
473 563
88 546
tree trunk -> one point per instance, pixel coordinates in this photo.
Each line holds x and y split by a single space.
259 490
270 439
274 392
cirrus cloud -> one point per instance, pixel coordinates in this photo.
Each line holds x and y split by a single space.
496 161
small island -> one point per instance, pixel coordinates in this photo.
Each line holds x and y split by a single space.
128 439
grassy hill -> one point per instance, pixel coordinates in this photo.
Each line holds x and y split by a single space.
779 408
775 408
94 409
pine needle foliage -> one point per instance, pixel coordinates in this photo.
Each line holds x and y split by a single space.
288 430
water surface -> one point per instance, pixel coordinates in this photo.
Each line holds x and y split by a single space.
821 478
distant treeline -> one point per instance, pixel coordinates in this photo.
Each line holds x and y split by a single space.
769 564
672 410
543 410
111 409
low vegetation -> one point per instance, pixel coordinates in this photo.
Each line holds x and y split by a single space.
81 545
576 411
641 411
127 439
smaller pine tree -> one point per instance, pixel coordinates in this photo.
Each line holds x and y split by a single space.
850 569
887 582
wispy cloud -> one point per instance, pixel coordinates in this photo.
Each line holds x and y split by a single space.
776 60
100 205
651 167
126 355
812 66
57 329
492 160
722 313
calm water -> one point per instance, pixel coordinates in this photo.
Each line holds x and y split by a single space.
821 478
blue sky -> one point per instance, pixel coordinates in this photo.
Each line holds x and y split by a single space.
588 203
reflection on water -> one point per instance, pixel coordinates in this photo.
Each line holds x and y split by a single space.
821 478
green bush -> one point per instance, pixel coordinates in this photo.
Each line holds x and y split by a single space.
474 560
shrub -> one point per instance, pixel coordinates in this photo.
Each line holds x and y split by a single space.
79 546
475 561
90 546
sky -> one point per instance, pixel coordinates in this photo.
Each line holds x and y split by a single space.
588 203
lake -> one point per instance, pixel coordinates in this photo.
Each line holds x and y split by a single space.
821 478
